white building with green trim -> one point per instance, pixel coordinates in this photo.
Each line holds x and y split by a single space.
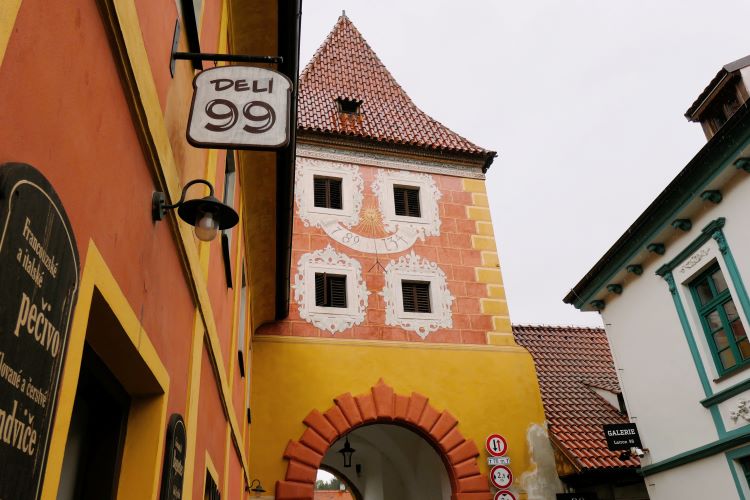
672 294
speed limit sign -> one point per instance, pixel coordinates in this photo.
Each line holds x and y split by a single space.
504 495
496 445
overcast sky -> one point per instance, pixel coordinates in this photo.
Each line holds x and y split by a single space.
582 99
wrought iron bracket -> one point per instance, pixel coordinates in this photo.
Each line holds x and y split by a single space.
197 57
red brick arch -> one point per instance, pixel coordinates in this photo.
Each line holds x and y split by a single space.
382 405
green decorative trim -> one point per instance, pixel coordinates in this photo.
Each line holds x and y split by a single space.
743 164
657 248
733 455
615 288
713 159
682 224
712 195
734 274
727 393
636 269
694 352
706 233
727 442
597 304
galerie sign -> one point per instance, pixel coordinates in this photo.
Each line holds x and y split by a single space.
39 273
240 107
621 436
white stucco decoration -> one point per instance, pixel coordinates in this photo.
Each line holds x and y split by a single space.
331 319
352 188
415 268
429 222
741 411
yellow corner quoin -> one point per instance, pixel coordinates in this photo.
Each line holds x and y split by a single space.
474 185
480 199
8 13
146 427
483 242
478 213
123 19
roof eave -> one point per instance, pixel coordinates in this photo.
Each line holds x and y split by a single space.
684 186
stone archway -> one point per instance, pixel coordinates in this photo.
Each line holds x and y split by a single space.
382 405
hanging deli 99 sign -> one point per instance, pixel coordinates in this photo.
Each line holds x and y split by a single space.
240 107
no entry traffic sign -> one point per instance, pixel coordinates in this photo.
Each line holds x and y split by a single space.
504 495
496 445
501 476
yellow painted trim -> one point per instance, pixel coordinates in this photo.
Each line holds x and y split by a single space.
8 13
385 344
211 468
227 450
154 132
191 417
141 465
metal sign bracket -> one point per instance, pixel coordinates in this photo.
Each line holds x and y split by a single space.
202 56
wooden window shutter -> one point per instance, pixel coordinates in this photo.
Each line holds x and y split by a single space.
406 200
327 192
330 290
416 296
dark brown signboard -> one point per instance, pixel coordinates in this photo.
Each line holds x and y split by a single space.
174 459
39 273
576 496
621 436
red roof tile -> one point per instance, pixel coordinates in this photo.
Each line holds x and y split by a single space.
570 362
345 67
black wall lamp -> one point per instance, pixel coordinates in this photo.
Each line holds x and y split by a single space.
256 488
207 214
347 451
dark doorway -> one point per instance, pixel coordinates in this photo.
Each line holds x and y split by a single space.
93 451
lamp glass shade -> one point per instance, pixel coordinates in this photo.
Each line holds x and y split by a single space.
206 226
347 451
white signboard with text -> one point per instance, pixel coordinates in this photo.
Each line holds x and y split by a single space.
240 107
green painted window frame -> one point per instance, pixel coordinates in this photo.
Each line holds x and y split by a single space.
717 304
745 466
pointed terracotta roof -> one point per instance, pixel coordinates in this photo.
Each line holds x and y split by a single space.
346 68
570 361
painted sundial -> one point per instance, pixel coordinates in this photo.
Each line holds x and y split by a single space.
374 228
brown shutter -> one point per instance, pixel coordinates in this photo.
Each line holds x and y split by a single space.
416 296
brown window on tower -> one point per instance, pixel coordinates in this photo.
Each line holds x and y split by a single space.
330 290
406 200
327 192
416 295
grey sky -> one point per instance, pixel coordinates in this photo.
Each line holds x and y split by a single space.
582 99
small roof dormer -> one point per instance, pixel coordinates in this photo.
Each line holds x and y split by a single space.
722 97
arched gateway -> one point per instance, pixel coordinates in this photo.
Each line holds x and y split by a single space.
382 405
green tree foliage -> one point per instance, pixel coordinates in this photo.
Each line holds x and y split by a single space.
333 484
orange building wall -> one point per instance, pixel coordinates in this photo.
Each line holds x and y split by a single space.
454 250
65 111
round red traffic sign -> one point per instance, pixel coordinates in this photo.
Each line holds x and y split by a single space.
496 445
504 495
501 476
